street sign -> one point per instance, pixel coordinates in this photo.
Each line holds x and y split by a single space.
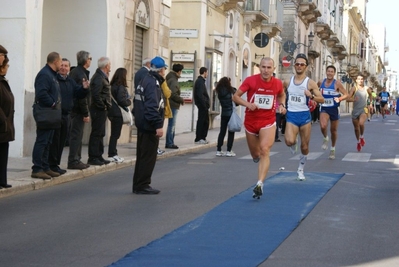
285 62
261 40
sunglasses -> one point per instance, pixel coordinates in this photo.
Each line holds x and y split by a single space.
300 64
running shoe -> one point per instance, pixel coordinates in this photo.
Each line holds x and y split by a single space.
324 146
359 147
201 142
258 191
116 159
219 153
301 176
362 142
332 154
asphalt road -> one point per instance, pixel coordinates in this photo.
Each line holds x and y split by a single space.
97 220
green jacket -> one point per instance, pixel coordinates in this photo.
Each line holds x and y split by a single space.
175 100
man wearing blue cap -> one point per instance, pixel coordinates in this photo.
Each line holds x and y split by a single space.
148 114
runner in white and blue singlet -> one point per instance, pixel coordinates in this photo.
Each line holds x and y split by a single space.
299 90
384 97
333 92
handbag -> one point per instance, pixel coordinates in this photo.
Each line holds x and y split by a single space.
47 118
126 114
235 122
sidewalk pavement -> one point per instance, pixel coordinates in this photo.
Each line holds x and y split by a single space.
19 169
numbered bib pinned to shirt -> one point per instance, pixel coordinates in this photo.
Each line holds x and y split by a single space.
264 101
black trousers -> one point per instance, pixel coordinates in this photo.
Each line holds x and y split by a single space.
75 138
230 136
116 128
96 143
3 162
201 131
58 143
146 157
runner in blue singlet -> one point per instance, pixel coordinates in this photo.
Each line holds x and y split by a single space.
333 92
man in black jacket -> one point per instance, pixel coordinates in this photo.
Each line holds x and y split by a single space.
148 111
80 113
69 90
100 103
201 99
47 94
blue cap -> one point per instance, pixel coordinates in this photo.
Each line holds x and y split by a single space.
158 62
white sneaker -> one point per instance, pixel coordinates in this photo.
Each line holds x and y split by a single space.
324 146
219 153
230 154
117 159
202 142
332 154
301 176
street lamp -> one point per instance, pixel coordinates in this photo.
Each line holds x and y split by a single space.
310 39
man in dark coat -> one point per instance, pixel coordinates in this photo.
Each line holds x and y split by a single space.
100 104
148 111
69 90
201 100
80 113
47 94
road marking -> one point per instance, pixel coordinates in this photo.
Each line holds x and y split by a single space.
250 157
311 156
209 155
396 160
358 157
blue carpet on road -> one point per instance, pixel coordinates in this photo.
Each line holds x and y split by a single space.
241 231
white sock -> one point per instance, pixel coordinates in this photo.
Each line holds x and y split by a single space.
333 148
302 161
259 183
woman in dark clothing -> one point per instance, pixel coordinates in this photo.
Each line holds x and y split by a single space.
121 96
7 131
225 92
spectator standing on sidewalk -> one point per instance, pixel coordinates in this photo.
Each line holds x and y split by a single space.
69 90
202 101
7 130
225 93
79 113
121 96
99 106
175 102
148 111
47 94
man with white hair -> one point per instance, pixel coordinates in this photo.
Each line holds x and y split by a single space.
100 104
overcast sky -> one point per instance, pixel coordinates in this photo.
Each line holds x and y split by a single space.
386 12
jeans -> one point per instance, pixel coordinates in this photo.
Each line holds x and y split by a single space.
41 150
170 133
116 128
230 136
